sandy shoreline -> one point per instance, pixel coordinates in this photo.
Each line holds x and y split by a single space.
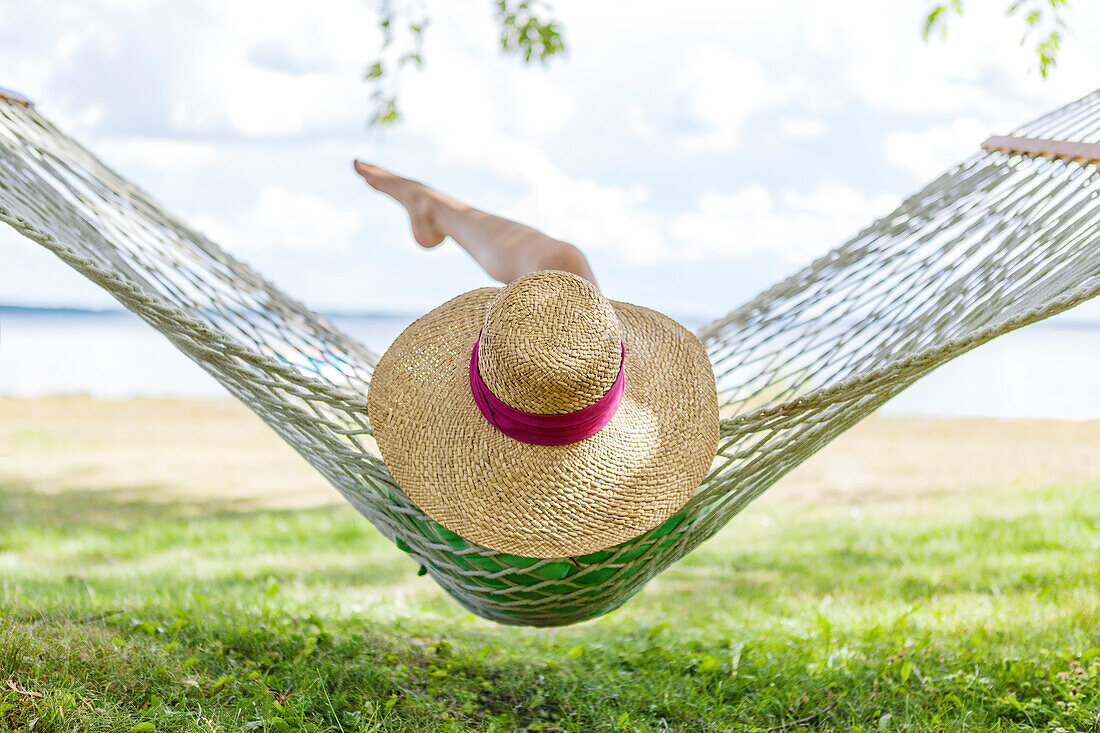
215 449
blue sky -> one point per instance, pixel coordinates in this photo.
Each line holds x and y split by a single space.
696 150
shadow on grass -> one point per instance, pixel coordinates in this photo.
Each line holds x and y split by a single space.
335 549
22 505
121 539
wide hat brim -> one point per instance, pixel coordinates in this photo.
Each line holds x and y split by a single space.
533 500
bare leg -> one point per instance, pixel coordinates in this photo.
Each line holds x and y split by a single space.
505 249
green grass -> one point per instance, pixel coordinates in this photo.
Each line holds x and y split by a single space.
976 611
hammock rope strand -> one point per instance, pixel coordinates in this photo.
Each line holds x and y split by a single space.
1004 239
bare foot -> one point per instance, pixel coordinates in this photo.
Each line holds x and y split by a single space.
420 202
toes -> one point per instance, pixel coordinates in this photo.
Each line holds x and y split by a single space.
365 172
372 173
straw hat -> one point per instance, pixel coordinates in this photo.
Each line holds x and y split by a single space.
549 343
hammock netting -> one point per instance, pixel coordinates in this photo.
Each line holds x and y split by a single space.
999 241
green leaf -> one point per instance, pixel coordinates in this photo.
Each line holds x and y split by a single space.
222 681
934 19
708 663
145 727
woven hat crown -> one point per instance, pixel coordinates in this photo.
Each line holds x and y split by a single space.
551 344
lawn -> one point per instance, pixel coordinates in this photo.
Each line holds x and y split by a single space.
969 600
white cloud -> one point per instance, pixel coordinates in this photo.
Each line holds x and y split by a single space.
233 80
802 127
483 127
178 156
877 50
928 152
538 107
722 91
245 68
283 219
638 123
792 224
589 148
595 217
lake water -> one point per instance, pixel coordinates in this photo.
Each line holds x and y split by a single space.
1048 370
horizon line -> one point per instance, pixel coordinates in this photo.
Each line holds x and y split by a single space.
19 309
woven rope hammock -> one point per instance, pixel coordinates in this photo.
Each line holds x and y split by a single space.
1004 239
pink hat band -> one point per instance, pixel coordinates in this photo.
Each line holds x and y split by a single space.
530 427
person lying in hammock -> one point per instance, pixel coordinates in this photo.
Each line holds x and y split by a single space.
539 419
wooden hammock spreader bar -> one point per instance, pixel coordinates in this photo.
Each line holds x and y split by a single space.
1060 149
9 96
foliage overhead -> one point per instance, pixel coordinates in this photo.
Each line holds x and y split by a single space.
528 30
1044 22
